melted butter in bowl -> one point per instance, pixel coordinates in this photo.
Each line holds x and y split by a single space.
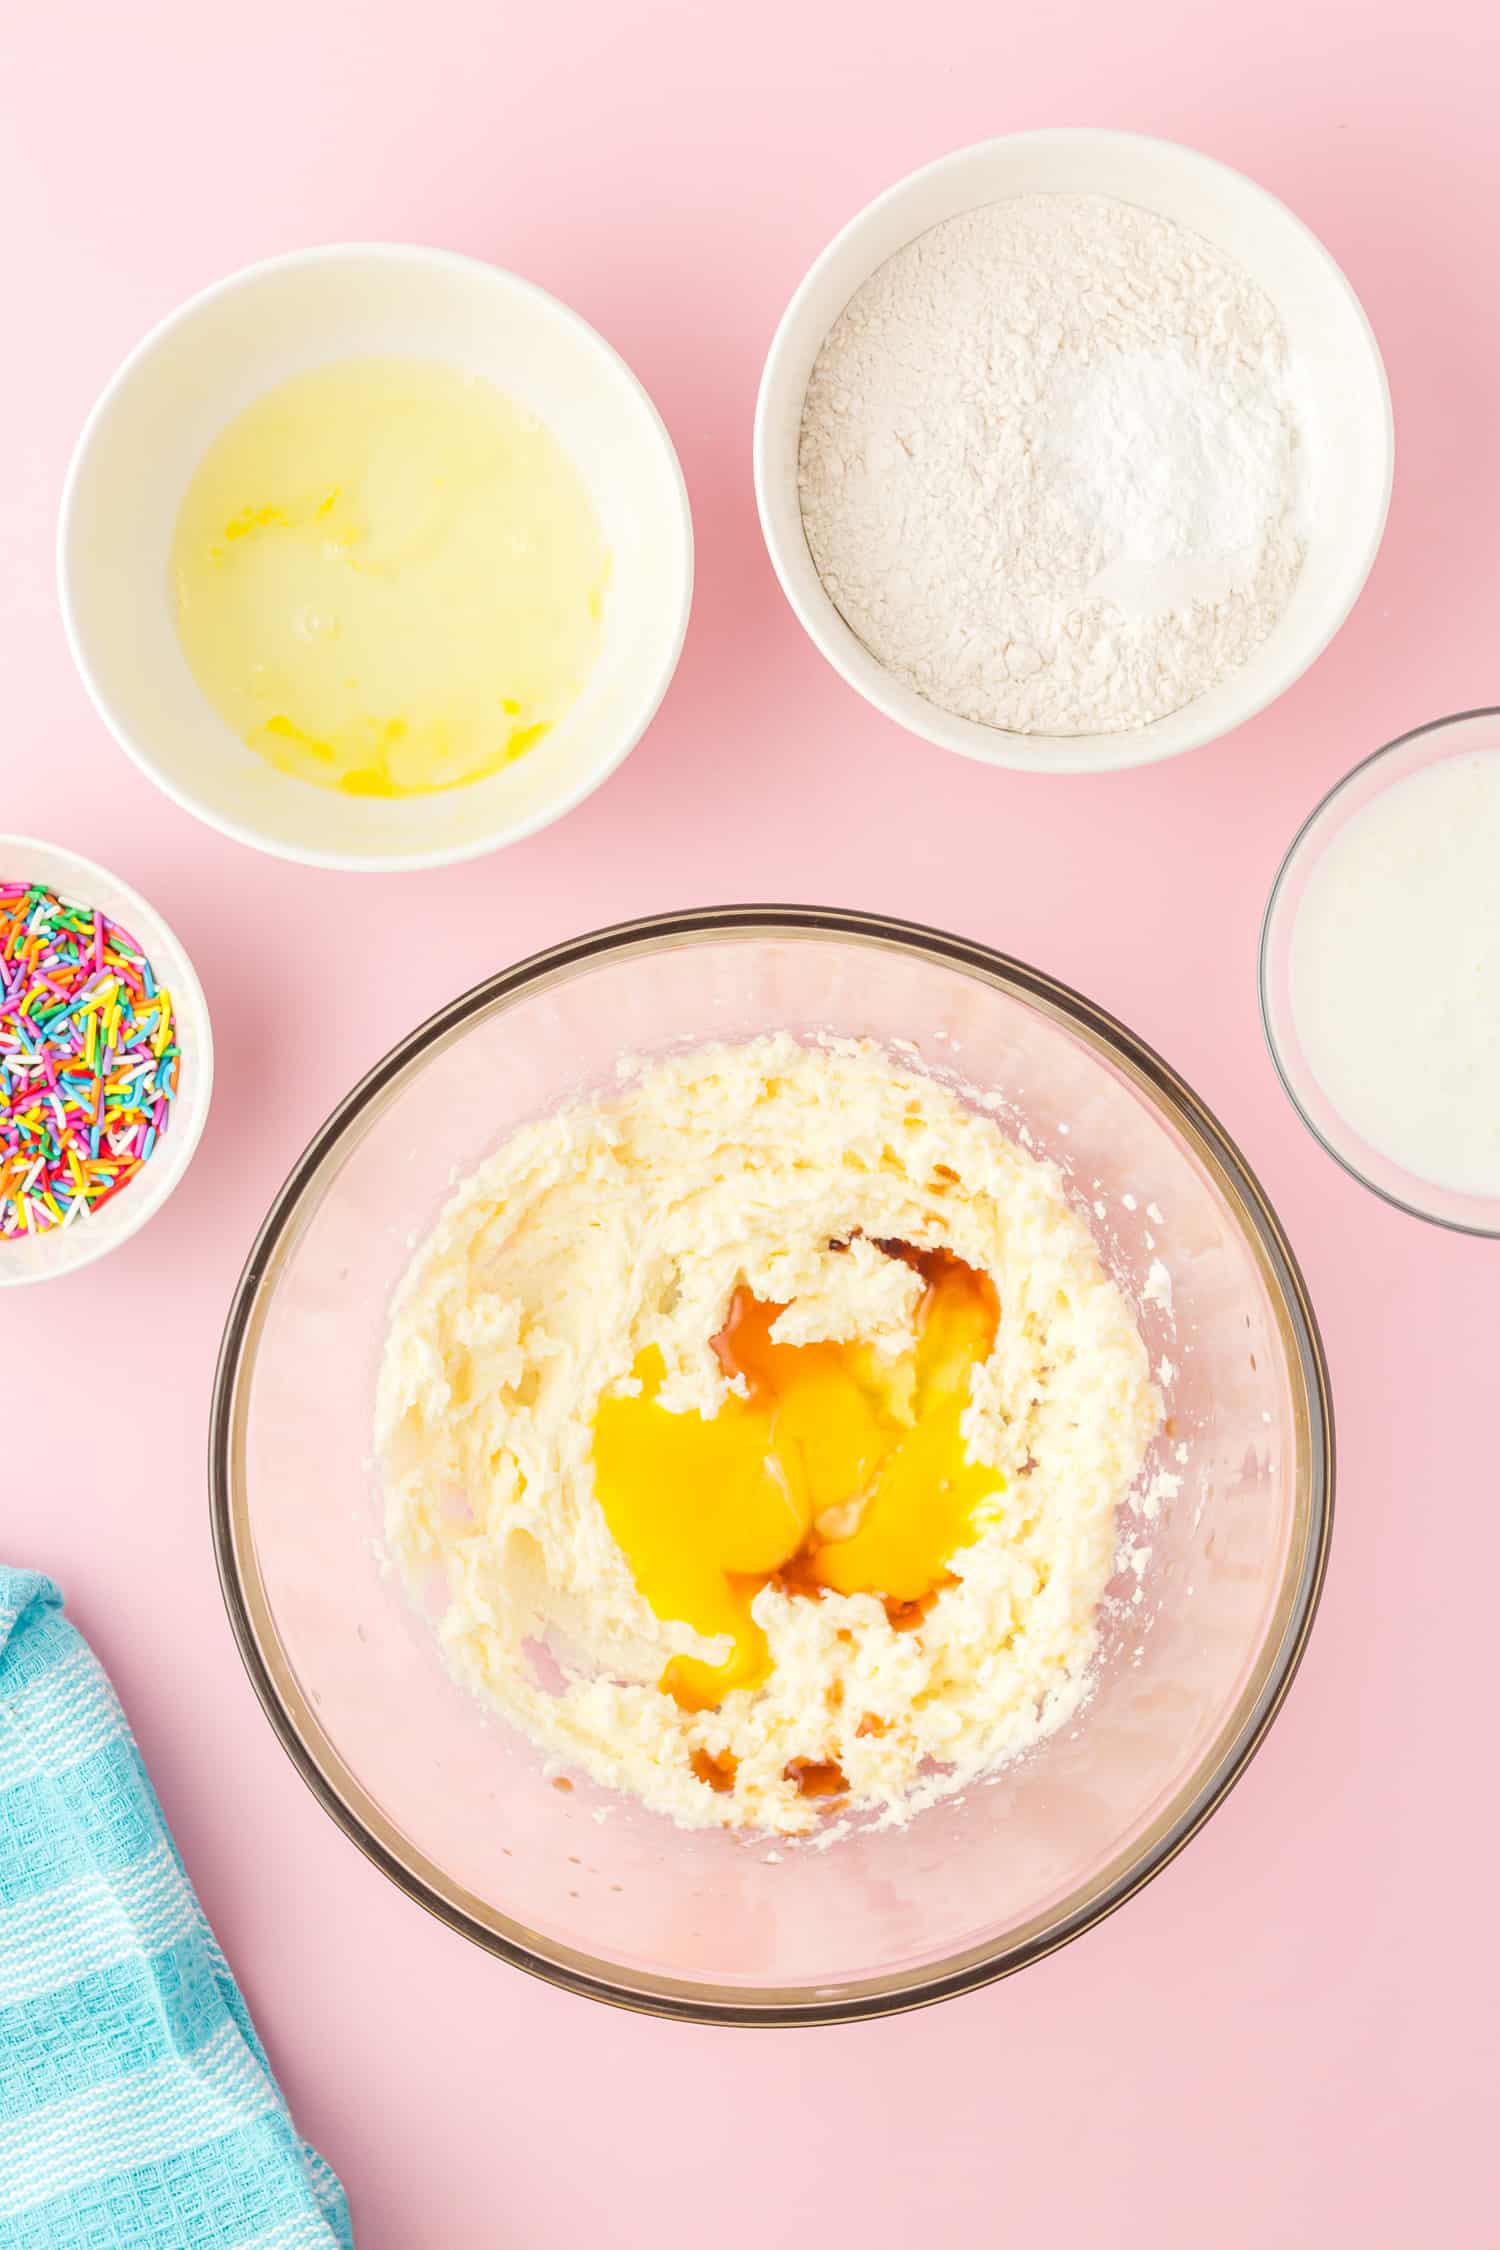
389 578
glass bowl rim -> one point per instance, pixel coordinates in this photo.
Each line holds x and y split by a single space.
1325 805
1221 1764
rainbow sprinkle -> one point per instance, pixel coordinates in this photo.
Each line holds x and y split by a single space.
88 1060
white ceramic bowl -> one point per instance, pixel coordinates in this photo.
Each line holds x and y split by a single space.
200 368
64 1250
1343 403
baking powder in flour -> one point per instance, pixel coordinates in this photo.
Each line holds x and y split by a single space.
1049 469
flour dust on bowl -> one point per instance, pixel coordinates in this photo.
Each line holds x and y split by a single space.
1212 1587
1072 450
375 557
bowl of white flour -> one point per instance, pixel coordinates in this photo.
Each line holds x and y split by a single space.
1073 451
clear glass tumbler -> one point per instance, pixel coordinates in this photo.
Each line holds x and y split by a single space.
1467 734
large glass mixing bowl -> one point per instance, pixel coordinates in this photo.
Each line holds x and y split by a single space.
1199 1637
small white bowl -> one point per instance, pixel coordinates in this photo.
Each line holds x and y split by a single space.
1343 404
63 1250
207 362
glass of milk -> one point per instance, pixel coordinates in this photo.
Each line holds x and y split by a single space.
1380 972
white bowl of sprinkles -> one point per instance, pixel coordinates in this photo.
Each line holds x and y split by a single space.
1334 394
119 990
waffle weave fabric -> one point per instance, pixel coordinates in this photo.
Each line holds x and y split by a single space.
137 2108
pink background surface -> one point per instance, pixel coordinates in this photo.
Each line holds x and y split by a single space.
1288 2039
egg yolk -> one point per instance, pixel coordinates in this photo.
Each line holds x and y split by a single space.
838 1470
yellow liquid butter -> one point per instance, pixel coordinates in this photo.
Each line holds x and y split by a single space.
389 578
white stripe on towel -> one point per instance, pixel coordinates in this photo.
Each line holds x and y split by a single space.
90 1924
57 1720
174 2106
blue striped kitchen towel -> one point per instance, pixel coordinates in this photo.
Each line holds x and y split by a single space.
137 2108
